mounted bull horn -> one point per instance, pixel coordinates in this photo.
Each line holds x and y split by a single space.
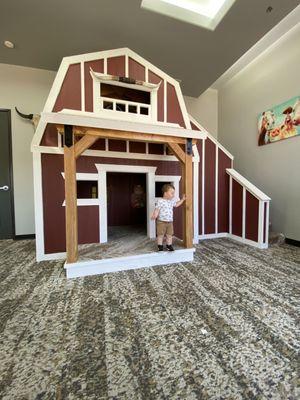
27 116
34 118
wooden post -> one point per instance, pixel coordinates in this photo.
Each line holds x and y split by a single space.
70 195
187 186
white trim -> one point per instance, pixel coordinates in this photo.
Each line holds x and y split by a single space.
82 86
102 195
38 206
233 237
212 138
196 161
230 204
217 189
52 256
83 176
107 153
244 214
106 147
267 224
203 187
68 117
95 267
126 65
127 146
248 185
174 179
260 222
165 102
85 202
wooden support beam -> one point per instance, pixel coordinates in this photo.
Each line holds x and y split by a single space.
84 143
178 152
126 135
70 197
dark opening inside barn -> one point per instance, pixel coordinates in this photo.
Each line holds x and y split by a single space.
126 203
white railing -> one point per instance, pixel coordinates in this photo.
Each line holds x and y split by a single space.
123 106
262 214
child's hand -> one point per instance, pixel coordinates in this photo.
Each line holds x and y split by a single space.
153 216
183 197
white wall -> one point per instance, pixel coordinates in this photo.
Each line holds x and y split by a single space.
269 80
205 110
26 88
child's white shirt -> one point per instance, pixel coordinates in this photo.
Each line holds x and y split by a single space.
165 208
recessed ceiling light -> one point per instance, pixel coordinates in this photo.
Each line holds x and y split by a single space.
9 44
205 13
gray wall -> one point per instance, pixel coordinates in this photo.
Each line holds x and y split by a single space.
275 168
28 89
205 110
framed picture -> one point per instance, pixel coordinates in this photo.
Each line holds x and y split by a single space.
280 122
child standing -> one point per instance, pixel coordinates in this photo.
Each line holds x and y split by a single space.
163 212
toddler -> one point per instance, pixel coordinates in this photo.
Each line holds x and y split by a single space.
163 212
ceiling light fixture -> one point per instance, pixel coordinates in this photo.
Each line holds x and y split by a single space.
9 44
205 13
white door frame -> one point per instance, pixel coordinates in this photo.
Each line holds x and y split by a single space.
102 194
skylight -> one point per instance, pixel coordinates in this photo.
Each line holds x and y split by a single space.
205 13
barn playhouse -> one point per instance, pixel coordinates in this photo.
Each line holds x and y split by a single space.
113 130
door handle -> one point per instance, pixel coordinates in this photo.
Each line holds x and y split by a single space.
5 188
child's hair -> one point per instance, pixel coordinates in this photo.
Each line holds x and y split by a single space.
166 187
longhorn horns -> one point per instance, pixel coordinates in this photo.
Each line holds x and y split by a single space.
27 116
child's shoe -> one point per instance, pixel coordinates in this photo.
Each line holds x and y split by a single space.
160 247
170 247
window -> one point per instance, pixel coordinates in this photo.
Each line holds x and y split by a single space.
158 188
87 189
124 93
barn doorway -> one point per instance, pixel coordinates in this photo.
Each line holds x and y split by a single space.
126 205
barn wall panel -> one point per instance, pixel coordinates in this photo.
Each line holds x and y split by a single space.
116 66
223 191
252 210
50 137
174 114
210 186
237 208
70 92
136 70
97 66
153 78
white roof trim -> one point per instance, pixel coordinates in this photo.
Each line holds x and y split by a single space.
91 120
248 185
212 138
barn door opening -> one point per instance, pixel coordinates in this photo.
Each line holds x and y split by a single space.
126 204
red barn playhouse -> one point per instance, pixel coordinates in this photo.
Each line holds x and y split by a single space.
113 130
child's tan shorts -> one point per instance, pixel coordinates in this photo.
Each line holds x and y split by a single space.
164 228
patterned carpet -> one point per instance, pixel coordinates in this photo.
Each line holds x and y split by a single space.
222 327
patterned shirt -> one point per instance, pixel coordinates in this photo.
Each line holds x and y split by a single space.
165 207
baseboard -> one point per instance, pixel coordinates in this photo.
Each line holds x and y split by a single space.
233 237
292 242
24 237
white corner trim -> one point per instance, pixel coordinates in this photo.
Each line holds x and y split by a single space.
248 185
38 206
95 267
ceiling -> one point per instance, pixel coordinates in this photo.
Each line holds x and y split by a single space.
45 31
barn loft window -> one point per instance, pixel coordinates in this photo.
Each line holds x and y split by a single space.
124 98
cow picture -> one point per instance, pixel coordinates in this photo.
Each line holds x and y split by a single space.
280 122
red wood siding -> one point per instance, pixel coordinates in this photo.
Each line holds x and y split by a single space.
136 70
209 187
54 212
98 145
200 189
116 66
70 92
155 148
237 209
97 66
50 137
117 145
153 78
252 211
137 147
174 113
223 192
